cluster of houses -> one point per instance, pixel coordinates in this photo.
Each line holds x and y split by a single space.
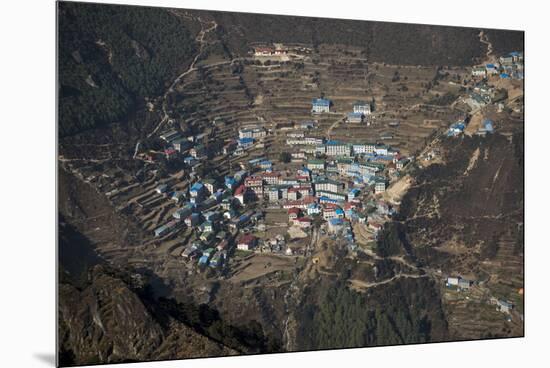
276 49
482 95
360 114
457 128
507 66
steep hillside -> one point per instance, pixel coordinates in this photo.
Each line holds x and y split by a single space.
393 43
108 322
110 60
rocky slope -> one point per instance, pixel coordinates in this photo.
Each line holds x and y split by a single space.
107 322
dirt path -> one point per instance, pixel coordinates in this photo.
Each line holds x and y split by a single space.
200 39
366 285
329 130
485 40
472 162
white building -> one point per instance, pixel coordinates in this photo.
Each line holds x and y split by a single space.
361 107
255 132
380 186
337 149
320 105
327 185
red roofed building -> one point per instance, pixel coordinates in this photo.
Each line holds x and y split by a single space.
246 242
170 153
293 194
302 203
293 213
303 222
256 184
271 178
329 212
263 51
240 194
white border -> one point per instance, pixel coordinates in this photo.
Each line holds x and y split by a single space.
28 181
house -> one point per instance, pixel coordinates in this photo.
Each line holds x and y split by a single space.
266 165
181 144
329 212
198 151
362 148
162 230
197 190
170 153
328 185
161 189
479 71
182 213
170 135
313 209
303 222
241 194
327 200
255 132
335 148
487 127
229 147
273 194
491 69
320 105
178 196
230 182
339 197
240 175
190 160
191 251
361 107
263 51
401 163
210 185
504 306
335 225
223 244
193 220
456 129
380 185
292 194
305 125
354 117
302 203
294 213
381 150
316 165
464 284
506 59
246 242
354 193
203 261
240 221
245 142
256 185
271 178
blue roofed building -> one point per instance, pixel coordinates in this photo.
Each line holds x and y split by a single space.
320 105
230 182
245 142
486 128
354 117
455 129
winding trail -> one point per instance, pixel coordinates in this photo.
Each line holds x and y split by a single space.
200 39
485 40
365 285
